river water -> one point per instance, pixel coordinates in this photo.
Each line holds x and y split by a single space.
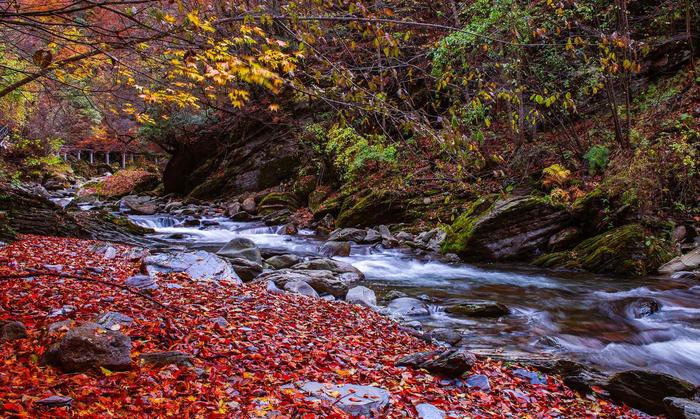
584 316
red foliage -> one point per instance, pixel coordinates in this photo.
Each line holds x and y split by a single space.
271 340
124 182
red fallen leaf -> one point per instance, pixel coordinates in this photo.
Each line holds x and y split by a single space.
598 390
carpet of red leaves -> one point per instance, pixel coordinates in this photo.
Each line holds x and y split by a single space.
271 340
121 183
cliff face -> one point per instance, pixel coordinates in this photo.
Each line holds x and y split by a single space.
243 157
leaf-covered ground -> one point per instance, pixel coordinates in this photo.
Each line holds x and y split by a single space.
240 370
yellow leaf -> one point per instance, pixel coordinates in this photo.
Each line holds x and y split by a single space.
106 372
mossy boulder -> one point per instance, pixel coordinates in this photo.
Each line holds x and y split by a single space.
623 251
370 208
277 201
513 228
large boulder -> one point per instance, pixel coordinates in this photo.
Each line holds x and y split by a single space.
487 309
371 207
623 251
243 248
362 296
91 346
282 261
324 282
450 363
301 287
139 205
646 390
407 306
334 248
515 228
686 262
356 235
346 271
277 201
355 400
199 265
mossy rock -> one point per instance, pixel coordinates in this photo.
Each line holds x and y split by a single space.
330 205
372 207
277 201
624 251
7 233
511 228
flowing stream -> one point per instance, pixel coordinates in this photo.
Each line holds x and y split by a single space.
584 316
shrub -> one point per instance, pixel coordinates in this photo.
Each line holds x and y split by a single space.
597 158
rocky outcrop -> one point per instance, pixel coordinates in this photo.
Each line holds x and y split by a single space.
91 346
235 156
624 251
646 390
515 228
372 207
687 262
323 282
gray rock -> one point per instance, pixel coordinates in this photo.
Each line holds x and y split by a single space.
12 330
677 408
57 326
362 296
347 272
199 265
687 262
478 381
272 288
486 309
404 236
324 282
282 261
445 335
348 234
161 359
241 247
248 205
335 248
646 390
394 294
406 306
233 208
141 282
55 401
372 236
450 363
301 287
245 269
428 411
642 307
139 205
91 346
353 399
564 239
112 319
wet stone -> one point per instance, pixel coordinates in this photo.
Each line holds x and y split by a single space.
428 411
12 330
113 319
532 377
55 401
479 382
161 359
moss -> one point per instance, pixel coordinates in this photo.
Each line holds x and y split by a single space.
551 260
624 251
372 207
330 205
7 233
279 198
459 233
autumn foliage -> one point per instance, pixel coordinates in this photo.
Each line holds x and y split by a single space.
270 340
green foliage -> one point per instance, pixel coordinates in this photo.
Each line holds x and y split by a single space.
597 158
555 174
350 151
